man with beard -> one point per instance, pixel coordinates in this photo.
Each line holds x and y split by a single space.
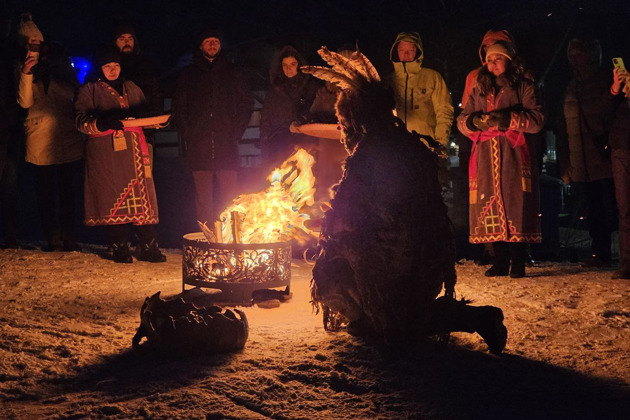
211 107
135 66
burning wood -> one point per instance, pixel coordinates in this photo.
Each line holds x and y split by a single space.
272 215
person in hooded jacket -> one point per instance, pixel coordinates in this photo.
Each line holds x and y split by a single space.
289 99
46 88
423 101
212 106
503 178
583 150
119 188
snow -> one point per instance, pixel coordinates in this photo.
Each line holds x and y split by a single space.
67 320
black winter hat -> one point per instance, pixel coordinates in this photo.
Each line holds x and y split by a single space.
106 55
123 28
210 33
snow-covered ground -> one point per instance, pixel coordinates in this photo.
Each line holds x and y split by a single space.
67 319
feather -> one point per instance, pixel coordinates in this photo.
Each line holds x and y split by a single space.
329 75
339 63
367 69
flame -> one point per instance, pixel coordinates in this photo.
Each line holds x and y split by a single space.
273 215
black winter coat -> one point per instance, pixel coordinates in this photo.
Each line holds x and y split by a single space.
211 107
288 100
140 70
620 124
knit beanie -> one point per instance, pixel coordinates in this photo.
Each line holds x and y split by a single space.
492 37
500 48
123 28
28 30
209 33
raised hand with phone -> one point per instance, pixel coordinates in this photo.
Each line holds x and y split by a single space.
621 77
32 56
33 38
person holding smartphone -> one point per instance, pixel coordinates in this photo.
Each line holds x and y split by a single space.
583 150
620 144
46 88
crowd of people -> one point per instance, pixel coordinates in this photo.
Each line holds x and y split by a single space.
502 116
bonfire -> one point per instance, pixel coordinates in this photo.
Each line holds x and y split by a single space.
275 214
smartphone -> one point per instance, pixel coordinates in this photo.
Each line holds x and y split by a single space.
618 63
33 51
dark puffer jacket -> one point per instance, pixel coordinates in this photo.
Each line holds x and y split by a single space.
211 107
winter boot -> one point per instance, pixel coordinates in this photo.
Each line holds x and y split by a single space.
491 329
150 252
519 256
451 315
501 264
121 253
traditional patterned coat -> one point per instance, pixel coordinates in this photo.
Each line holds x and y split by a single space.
503 178
119 185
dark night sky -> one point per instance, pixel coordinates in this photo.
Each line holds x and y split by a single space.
451 29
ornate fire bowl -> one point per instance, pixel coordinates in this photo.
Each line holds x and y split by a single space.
236 269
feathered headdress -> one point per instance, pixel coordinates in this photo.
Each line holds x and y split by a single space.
346 73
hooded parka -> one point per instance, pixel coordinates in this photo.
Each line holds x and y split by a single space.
423 101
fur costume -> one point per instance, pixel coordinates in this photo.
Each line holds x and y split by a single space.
386 244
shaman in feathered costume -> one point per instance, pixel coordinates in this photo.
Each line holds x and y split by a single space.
386 244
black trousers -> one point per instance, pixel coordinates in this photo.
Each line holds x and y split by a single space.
8 193
56 200
621 174
601 214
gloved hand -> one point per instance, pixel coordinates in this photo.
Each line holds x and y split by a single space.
499 120
108 122
477 122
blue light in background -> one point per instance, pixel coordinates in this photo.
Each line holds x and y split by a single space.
81 67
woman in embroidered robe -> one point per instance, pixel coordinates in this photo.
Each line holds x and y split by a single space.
119 188
502 173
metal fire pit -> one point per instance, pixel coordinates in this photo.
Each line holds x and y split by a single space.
238 270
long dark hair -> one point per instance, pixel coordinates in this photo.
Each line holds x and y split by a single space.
513 75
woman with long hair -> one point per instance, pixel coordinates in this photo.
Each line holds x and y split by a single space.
503 183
